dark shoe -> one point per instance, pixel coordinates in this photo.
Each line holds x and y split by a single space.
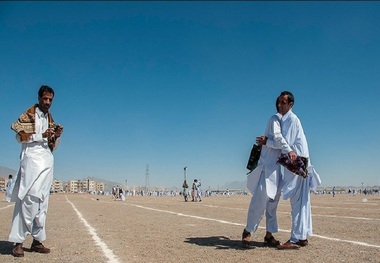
39 248
288 245
18 251
246 238
302 243
271 242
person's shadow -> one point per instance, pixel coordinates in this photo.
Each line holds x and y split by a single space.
6 248
221 242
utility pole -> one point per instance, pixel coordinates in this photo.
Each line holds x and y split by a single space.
147 178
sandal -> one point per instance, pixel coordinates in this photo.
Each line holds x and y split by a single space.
271 241
246 239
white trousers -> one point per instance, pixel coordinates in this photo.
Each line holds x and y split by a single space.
260 202
29 218
301 211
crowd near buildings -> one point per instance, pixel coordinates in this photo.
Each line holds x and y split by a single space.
72 186
93 187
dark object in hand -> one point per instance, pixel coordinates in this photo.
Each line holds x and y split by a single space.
57 127
253 158
298 166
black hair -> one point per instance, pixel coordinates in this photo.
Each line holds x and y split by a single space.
290 96
277 104
45 88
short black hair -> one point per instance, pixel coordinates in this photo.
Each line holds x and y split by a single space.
45 88
290 96
277 104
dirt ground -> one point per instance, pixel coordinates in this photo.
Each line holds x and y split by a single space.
89 228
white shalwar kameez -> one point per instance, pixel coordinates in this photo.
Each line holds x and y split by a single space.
264 181
32 186
296 187
9 189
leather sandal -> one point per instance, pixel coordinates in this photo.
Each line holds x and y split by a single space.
18 251
246 239
39 247
271 241
302 242
288 245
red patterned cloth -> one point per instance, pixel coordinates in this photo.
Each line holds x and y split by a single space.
299 166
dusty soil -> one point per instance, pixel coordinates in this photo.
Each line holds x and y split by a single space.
88 228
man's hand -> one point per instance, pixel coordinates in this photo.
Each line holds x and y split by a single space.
261 140
48 133
58 131
293 156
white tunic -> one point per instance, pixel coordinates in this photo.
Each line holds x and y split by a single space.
36 163
265 181
32 186
268 158
293 133
297 188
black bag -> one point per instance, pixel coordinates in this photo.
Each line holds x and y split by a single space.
253 158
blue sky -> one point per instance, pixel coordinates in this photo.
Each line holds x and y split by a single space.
174 84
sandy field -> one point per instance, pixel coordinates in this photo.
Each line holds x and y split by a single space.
88 228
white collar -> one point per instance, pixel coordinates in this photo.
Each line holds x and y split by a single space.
40 113
286 116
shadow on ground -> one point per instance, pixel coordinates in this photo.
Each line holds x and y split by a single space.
221 242
6 248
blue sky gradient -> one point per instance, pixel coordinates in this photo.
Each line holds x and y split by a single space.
174 84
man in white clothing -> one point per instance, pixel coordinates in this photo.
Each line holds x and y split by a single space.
264 182
295 187
39 135
9 189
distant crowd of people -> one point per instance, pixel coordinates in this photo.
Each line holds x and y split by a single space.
118 193
195 194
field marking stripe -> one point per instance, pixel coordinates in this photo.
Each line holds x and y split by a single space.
238 224
106 251
349 217
6 207
288 213
348 241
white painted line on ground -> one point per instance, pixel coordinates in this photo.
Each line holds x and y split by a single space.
349 217
348 241
238 224
6 207
343 208
191 216
288 213
108 253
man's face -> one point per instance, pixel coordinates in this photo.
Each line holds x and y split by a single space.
45 101
283 105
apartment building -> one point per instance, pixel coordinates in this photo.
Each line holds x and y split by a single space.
56 186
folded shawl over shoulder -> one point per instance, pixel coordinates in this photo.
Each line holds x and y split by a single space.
24 126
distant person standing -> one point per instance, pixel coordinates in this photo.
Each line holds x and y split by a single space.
194 190
185 192
296 188
9 189
199 191
39 137
333 191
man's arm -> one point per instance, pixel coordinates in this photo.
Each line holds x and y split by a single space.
278 141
